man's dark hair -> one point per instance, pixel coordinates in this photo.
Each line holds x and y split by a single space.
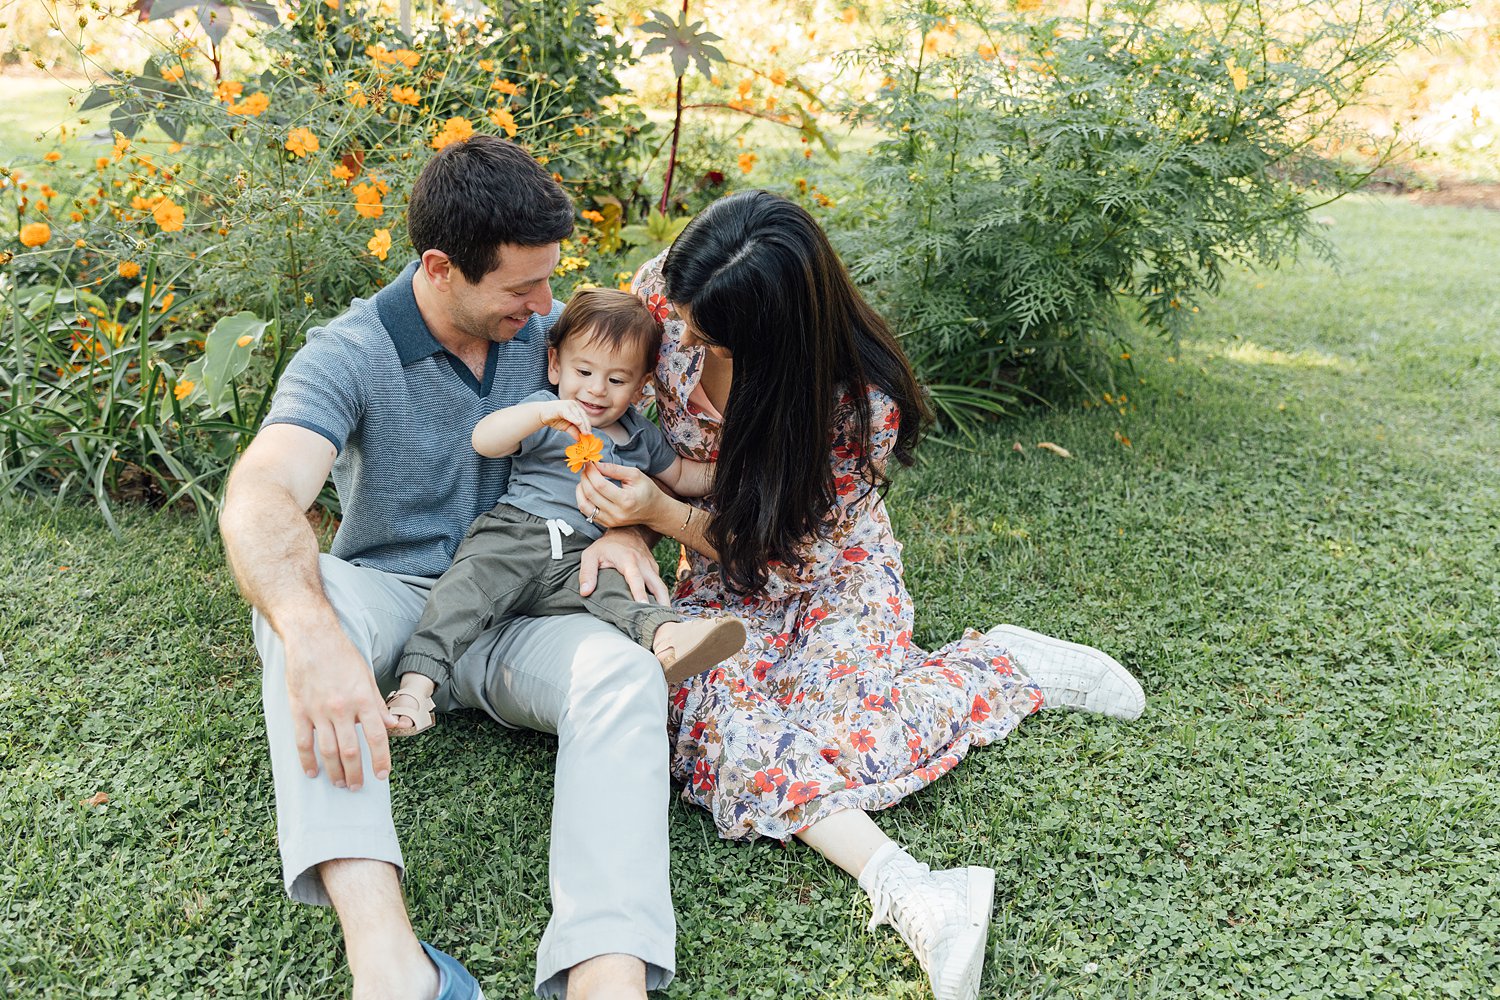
610 317
478 195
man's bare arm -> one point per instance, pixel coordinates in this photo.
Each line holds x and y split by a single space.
274 556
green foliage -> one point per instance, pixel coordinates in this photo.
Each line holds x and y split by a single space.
261 200
1038 181
93 400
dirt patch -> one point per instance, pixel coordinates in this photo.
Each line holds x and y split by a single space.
1443 191
1467 194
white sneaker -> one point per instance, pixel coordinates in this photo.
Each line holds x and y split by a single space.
1073 675
944 917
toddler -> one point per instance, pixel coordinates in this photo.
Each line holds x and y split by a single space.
521 558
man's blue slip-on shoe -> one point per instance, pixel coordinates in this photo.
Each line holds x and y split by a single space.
454 981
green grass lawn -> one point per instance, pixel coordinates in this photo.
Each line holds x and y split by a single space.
1298 556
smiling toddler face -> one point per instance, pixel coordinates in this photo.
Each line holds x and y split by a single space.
604 378
601 351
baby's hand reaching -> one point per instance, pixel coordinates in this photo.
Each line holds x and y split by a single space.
567 416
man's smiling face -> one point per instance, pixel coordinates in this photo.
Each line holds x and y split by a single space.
499 304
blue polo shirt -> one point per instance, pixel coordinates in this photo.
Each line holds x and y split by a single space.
400 410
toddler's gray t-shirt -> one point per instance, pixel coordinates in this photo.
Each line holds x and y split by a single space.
541 484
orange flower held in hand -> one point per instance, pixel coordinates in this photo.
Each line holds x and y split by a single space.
588 449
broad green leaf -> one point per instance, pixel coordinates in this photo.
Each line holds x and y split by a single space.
226 354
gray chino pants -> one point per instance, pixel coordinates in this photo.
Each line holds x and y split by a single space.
602 695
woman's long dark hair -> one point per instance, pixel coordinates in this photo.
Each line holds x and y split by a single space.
760 278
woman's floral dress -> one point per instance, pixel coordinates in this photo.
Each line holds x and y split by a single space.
829 706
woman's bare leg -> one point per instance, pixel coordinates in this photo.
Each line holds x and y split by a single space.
849 839
943 916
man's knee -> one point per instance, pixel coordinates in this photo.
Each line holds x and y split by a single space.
613 676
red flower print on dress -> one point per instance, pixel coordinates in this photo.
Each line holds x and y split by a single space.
762 667
843 485
842 670
847 451
703 776
863 741
830 754
802 791
767 780
856 554
658 306
813 617
873 702
980 711
1001 665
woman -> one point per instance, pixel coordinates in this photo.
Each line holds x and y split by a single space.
777 369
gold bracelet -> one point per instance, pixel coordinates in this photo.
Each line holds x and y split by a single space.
685 520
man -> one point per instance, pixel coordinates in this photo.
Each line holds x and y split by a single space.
384 397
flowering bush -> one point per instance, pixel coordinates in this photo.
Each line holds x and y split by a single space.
276 190
1044 182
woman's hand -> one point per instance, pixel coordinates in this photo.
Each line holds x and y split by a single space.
635 500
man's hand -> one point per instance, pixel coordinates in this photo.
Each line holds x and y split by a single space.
625 550
331 688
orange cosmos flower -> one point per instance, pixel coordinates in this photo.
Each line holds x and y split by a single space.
34 234
228 91
255 105
301 141
128 269
53 156
747 162
586 450
455 129
405 57
172 74
406 95
184 389
169 215
380 243
367 201
505 87
592 216
342 173
501 118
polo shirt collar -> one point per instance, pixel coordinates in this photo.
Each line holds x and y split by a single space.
396 305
